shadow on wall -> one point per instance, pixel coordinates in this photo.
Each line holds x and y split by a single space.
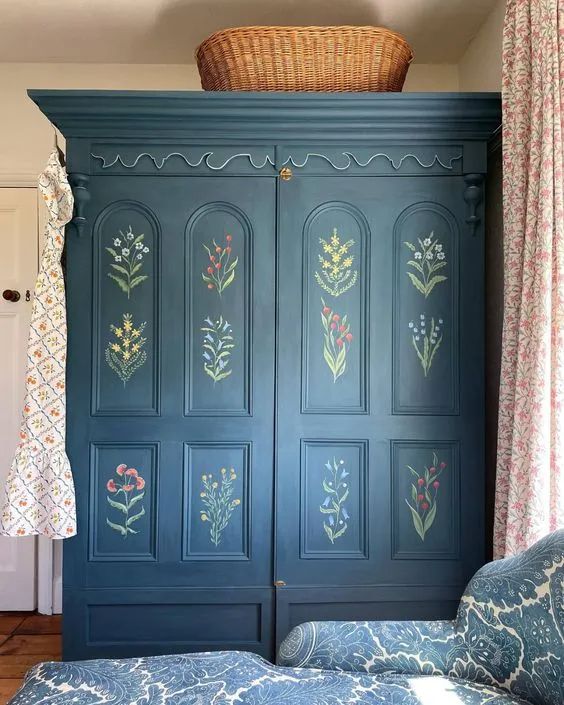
189 22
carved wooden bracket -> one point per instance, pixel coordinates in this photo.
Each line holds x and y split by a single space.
473 197
79 184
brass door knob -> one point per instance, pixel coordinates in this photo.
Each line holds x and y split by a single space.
285 173
11 295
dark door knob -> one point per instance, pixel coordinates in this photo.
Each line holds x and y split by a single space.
11 295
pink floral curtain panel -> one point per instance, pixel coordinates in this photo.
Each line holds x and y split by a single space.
39 495
530 461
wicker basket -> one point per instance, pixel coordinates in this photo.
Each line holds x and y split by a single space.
303 59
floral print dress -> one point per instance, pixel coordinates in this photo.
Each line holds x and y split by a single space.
39 489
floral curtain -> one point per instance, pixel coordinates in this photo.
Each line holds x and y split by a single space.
39 489
530 461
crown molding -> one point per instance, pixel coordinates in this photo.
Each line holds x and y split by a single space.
275 118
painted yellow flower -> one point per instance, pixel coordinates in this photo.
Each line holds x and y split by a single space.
115 347
327 247
347 262
335 239
127 324
126 354
135 333
325 264
118 332
336 257
135 347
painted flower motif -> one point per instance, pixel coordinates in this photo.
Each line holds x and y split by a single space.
337 275
427 261
431 338
131 488
336 340
333 507
220 272
216 496
217 345
424 493
127 263
124 356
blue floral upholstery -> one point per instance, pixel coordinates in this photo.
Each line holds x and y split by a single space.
508 633
236 678
506 647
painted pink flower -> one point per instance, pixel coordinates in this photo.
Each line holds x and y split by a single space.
348 337
326 310
420 482
228 238
111 486
436 484
131 471
140 483
121 469
339 342
442 466
420 498
424 506
432 470
336 317
128 488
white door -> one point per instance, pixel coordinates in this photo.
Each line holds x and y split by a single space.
18 269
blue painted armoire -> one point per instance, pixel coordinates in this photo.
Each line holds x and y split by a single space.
275 362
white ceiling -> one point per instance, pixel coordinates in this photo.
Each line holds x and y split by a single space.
168 31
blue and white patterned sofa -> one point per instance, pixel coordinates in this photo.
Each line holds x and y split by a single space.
506 647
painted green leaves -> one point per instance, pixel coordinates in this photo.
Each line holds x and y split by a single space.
221 268
125 497
335 514
125 353
337 274
426 261
424 494
127 251
426 340
336 340
217 346
216 496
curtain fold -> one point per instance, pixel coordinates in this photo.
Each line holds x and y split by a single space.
529 500
39 495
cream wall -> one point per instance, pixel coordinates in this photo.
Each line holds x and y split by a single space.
26 136
480 66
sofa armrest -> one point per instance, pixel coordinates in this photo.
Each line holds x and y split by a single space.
373 647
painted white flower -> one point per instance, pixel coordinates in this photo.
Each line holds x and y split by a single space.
416 337
427 241
145 250
438 247
139 256
422 316
411 324
440 255
440 320
117 242
429 255
418 255
129 235
125 251
117 258
416 330
138 245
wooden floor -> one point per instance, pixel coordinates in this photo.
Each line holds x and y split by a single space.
26 638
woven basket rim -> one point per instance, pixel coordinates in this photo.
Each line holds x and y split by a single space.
306 29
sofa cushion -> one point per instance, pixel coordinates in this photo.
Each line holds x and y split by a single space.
237 678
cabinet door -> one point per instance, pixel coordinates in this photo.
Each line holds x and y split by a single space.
380 399
171 434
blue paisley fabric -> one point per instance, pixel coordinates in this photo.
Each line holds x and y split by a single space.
508 633
236 678
506 647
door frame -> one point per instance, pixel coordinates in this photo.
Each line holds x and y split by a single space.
49 559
